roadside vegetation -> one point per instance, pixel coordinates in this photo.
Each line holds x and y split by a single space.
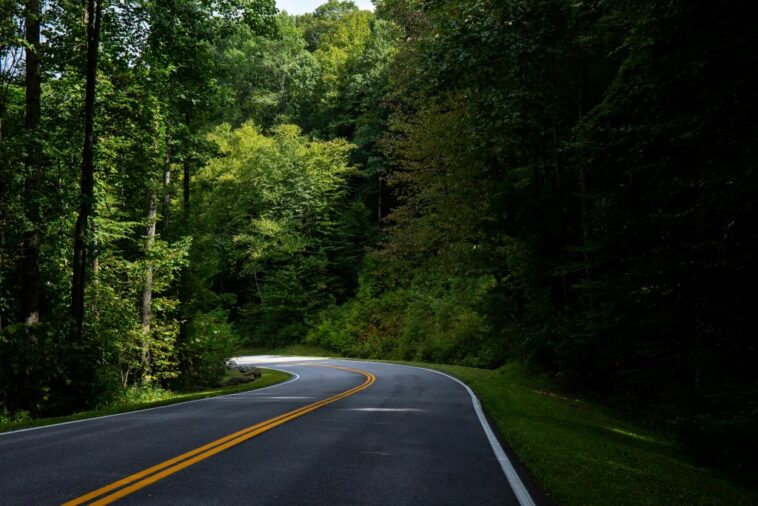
139 398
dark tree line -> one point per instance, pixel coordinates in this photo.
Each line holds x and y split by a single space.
575 188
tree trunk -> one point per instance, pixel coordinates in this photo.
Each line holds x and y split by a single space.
86 197
186 182
146 305
33 64
258 287
581 95
95 280
31 291
147 290
166 189
283 94
2 259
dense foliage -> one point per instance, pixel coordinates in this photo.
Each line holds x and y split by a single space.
153 86
566 184
574 187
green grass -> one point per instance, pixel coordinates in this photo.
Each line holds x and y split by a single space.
581 453
163 398
584 454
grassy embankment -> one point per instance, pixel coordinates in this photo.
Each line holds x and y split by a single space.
582 453
161 398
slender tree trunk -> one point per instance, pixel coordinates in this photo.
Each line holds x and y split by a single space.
31 290
2 258
557 174
33 64
258 287
186 182
95 264
147 290
87 181
95 280
283 94
166 189
581 95
146 305
186 186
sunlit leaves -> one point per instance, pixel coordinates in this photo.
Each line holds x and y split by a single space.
273 209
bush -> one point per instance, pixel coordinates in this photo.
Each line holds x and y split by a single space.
139 394
428 321
210 341
42 373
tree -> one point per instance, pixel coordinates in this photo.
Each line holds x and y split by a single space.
87 181
31 283
182 38
264 79
280 252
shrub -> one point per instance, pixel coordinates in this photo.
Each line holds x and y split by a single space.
210 340
139 394
42 372
427 321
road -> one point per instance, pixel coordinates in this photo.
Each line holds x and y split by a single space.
352 433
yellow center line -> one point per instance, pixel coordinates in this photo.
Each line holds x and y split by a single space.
157 472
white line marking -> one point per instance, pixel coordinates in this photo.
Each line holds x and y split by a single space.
295 378
522 494
519 490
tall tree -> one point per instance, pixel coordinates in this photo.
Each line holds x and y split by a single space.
31 290
87 181
167 187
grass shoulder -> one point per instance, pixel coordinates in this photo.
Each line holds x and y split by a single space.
268 377
585 454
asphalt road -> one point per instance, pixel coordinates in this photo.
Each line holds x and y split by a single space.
409 436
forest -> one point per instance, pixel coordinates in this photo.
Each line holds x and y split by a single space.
564 184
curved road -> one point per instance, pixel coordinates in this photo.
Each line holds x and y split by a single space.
407 436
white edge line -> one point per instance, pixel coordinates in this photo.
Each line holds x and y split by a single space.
295 378
518 487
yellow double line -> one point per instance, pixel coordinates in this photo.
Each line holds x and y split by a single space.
137 481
